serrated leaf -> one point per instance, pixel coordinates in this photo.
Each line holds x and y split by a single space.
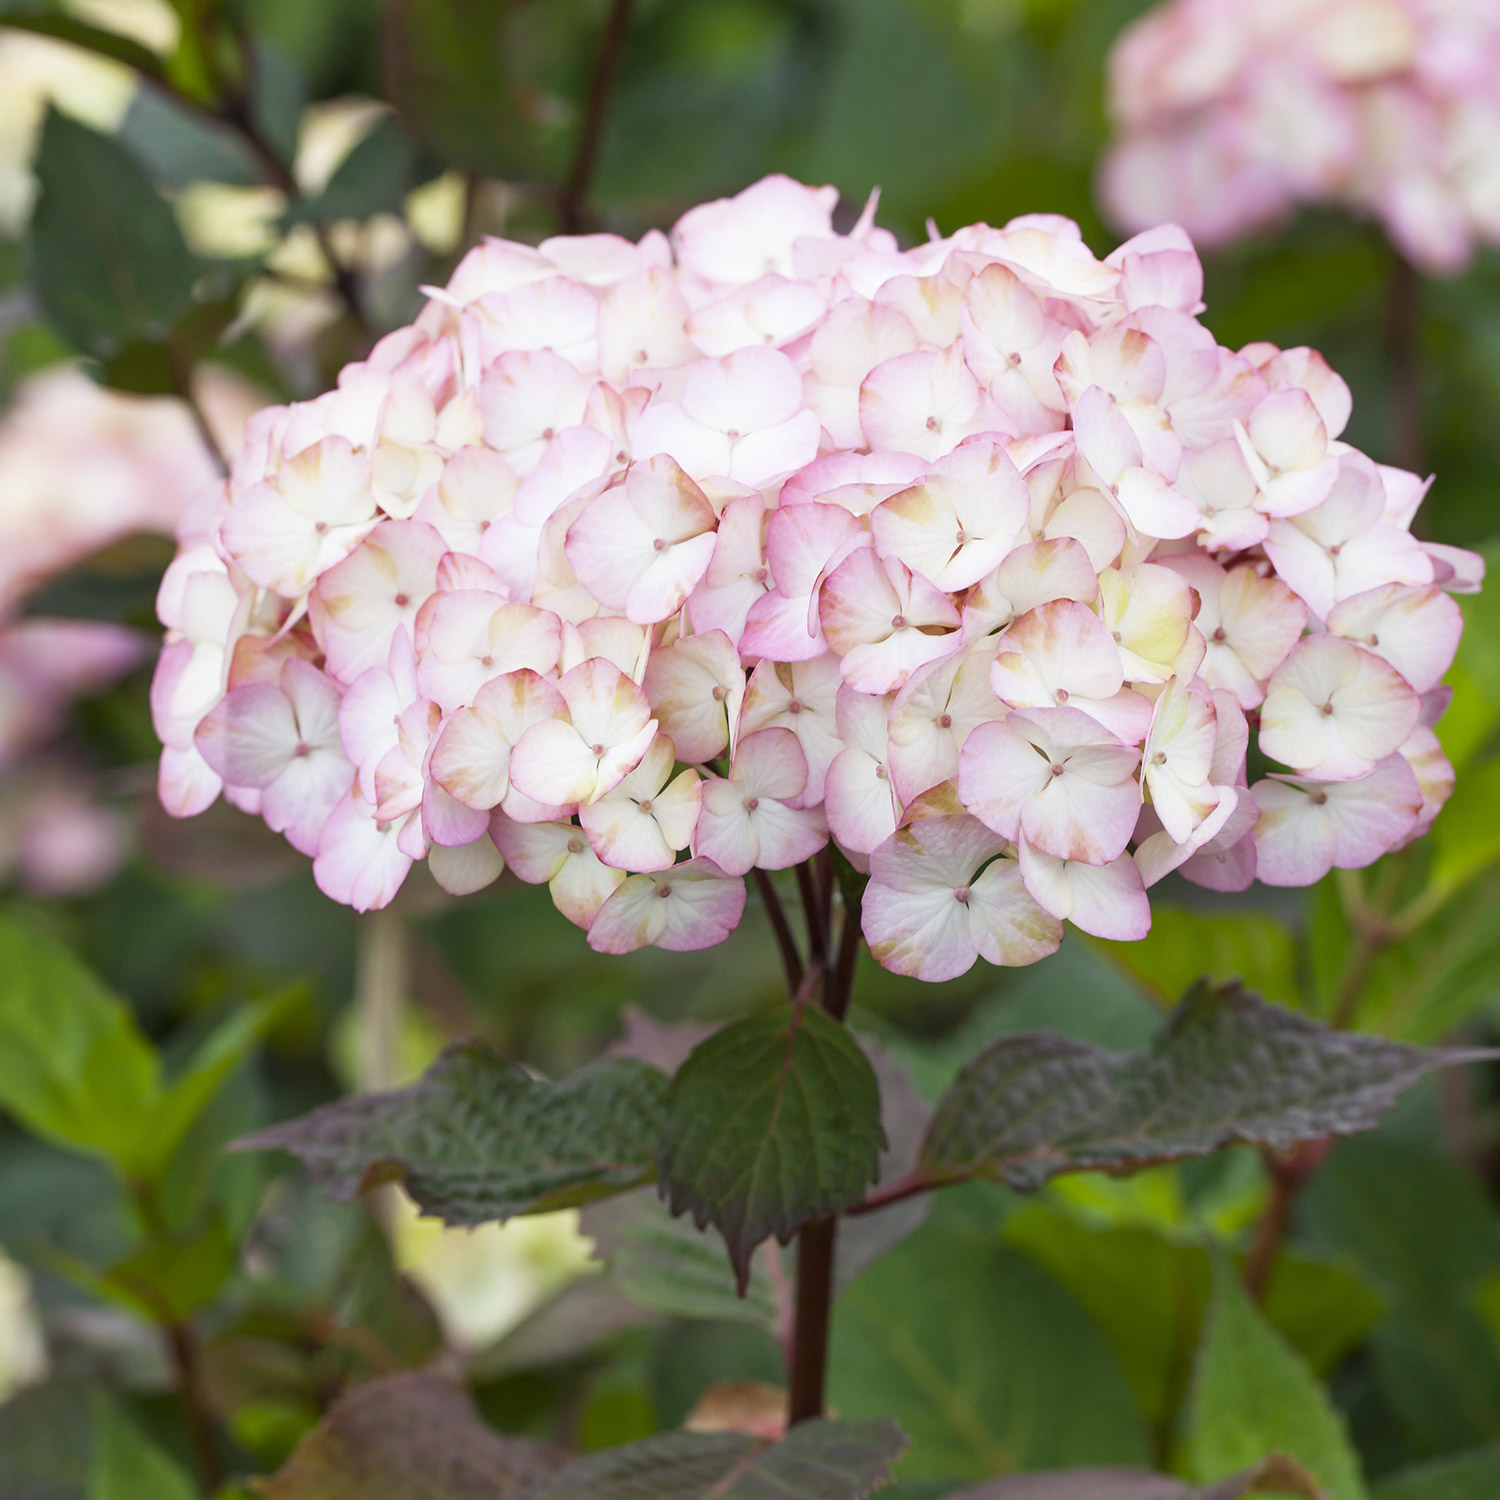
818 1460
108 260
478 1139
410 1437
771 1122
1252 1396
1226 1068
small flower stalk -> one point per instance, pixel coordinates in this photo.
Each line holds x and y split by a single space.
637 568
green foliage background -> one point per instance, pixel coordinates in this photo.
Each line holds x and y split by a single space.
1099 1322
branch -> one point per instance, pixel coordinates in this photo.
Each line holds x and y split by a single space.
791 960
572 206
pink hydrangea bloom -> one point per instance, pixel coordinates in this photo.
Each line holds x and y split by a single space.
1230 113
639 567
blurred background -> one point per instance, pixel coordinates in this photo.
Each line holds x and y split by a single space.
205 207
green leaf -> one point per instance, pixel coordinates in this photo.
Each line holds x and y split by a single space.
990 1364
815 1461
373 178
1252 1396
74 1067
477 81
46 1442
1148 1293
108 260
128 1466
49 18
771 1122
1461 1476
1278 1475
1226 1068
410 1437
165 1282
178 147
665 1265
216 1057
1422 1231
478 1139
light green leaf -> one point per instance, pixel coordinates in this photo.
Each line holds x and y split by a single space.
216 1057
1148 1293
1466 838
990 1364
1278 1476
771 1122
128 1466
1253 1396
74 1066
108 260
478 1139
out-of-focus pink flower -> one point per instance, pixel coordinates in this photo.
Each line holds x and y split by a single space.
641 568
1230 113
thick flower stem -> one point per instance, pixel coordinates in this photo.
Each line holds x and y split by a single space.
1290 1173
807 1365
573 205
814 1308
182 1349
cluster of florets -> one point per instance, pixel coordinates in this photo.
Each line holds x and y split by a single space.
638 567
1233 112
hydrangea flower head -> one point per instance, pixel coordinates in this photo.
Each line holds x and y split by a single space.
636 568
1230 113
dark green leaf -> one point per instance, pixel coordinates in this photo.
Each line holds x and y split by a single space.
46 1443
1423 1232
1461 1476
465 82
107 258
49 18
478 1139
178 147
773 1121
409 1437
815 1461
374 178
1252 1396
1227 1067
989 1363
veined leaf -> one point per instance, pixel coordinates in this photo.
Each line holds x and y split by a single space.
1253 1396
771 1122
815 1461
1277 1476
478 1139
1226 1068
